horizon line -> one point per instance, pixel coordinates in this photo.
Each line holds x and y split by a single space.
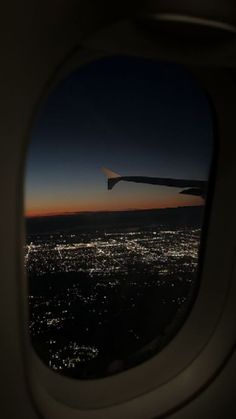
65 213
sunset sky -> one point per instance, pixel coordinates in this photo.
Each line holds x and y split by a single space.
134 116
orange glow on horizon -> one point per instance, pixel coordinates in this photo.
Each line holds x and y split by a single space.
180 201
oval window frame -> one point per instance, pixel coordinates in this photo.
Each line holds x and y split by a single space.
65 391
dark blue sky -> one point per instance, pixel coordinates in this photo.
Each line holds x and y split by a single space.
135 116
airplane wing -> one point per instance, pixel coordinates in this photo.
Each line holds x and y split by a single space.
190 187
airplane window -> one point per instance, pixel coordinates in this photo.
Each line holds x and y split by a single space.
116 182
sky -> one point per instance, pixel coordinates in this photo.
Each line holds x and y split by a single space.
132 115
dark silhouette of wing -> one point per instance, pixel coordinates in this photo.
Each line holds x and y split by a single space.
193 187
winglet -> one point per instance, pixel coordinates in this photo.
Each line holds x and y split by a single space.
112 177
109 173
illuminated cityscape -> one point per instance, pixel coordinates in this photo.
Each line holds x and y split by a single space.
101 301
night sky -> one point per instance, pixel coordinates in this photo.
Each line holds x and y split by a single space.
134 116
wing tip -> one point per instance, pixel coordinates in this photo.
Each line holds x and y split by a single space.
109 173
